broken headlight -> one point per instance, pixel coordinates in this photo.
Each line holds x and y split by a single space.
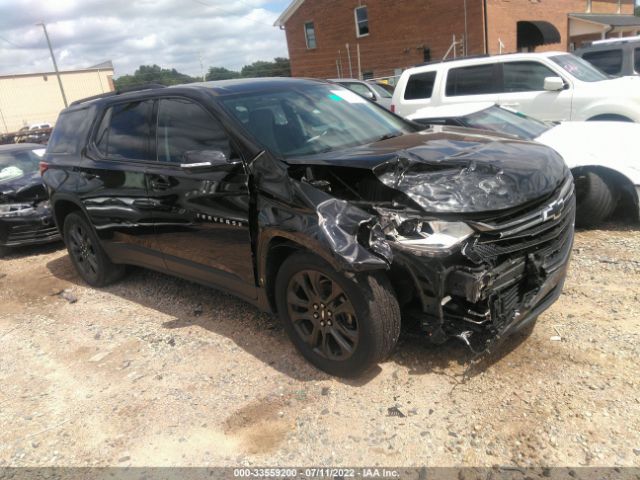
15 209
431 237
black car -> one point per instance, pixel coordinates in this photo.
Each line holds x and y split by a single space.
25 213
304 199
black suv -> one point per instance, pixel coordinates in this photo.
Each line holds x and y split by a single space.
304 199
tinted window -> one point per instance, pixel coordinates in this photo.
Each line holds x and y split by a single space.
609 61
637 60
525 76
420 85
125 131
184 126
476 80
70 132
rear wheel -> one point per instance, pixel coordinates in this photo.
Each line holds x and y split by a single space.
595 199
86 253
341 325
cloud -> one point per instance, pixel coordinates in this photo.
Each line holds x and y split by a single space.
171 33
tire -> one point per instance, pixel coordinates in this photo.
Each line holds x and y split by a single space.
86 253
596 200
357 320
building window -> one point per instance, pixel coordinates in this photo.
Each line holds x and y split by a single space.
310 34
367 75
362 21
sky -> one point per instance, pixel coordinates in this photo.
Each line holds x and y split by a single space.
178 34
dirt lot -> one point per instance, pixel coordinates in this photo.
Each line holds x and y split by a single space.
158 371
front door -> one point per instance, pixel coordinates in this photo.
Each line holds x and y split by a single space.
201 215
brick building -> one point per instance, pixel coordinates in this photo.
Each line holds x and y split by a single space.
380 38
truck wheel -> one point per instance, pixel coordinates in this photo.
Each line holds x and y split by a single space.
341 325
86 253
595 199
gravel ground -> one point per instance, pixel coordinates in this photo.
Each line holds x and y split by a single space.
159 371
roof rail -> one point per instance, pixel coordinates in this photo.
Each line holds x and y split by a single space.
136 88
468 57
635 38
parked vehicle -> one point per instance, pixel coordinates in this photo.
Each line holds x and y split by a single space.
307 200
601 155
552 86
369 90
615 56
25 214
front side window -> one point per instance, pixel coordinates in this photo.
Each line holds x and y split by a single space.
525 76
362 21
579 68
125 131
312 119
475 80
420 86
310 34
609 61
185 127
359 88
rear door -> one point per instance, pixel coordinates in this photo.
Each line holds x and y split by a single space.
523 90
111 181
201 214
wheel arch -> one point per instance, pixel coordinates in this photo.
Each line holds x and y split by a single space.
609 117
628 192
62 207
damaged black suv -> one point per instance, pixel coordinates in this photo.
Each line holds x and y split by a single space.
307 200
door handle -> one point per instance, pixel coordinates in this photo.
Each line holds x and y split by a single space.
160 183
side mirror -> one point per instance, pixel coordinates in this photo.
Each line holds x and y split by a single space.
370 95
205 160
553 84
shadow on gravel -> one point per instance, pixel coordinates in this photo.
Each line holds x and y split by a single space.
261 334
28 250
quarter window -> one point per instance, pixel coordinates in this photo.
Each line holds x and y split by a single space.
184 126
310 34
362 21
71 130
420 86
476 80
525 76
125 131
609 61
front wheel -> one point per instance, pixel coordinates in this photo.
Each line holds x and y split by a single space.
86 253
595 199
341 325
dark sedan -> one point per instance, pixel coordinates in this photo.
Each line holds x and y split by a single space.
25 214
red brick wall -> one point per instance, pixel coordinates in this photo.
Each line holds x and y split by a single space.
503 16
399 30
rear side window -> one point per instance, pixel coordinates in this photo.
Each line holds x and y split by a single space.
525 76
70 132
184 126
609 61
420 86
125 131
636 61
476 80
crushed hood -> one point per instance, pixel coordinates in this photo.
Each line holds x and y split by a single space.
456 170
27 188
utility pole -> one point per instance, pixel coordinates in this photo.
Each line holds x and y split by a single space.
55 65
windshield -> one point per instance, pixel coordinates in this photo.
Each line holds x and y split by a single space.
506 121
579 68
313 119
14 165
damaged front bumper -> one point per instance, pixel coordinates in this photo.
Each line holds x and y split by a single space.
34 226
500 280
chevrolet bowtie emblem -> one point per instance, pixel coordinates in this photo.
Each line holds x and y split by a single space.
553 211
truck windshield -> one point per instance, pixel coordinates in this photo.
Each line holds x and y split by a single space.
313 119
579 68
506 121
14 165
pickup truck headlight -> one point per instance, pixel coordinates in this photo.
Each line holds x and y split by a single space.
431 237
15 209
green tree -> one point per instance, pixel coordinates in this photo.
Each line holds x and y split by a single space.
221 73
637 11
153 74
280 67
